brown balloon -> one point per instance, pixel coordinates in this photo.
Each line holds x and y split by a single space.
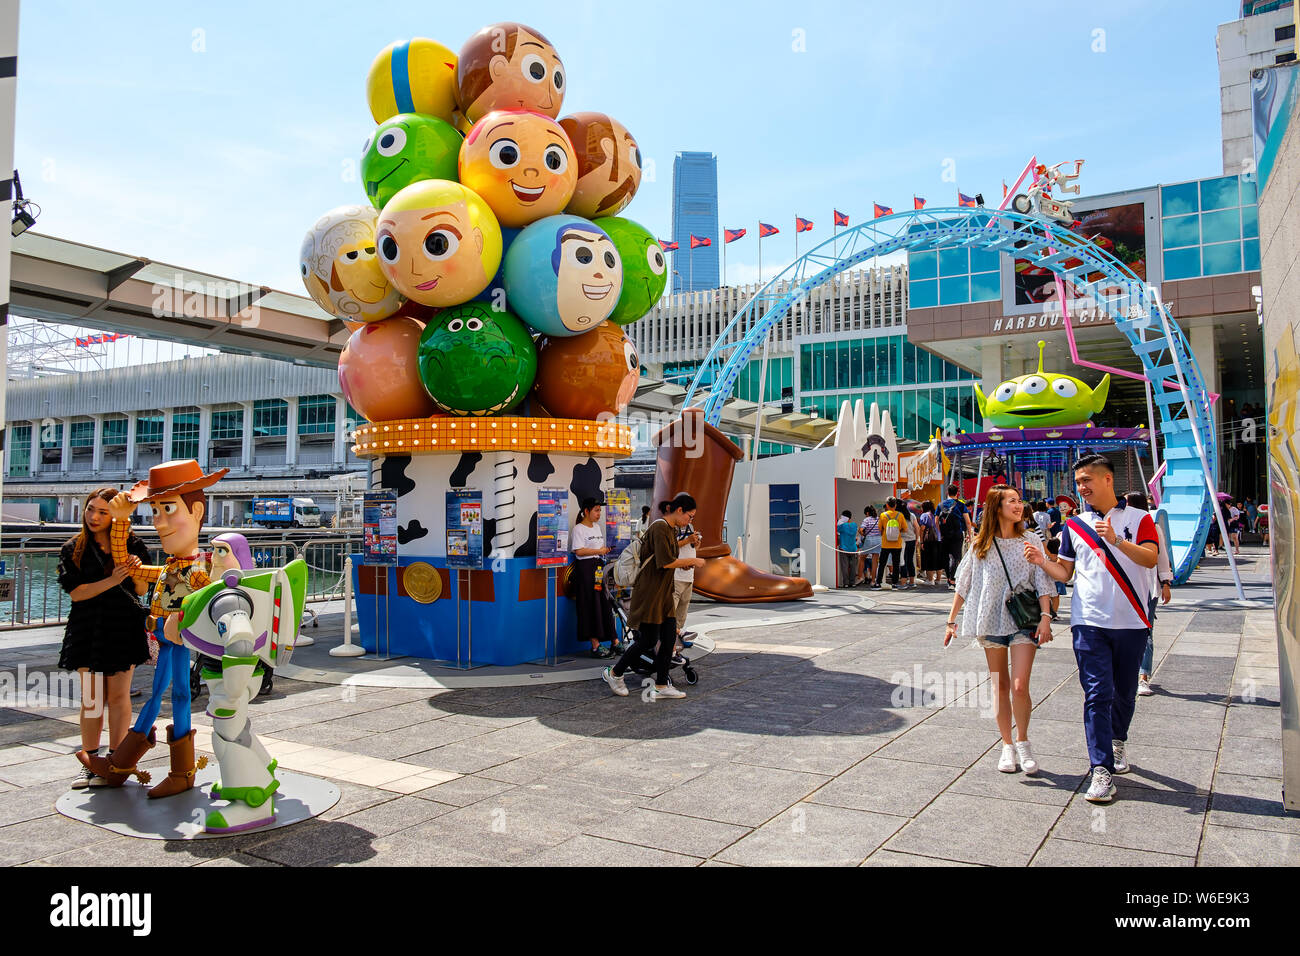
509 66
587 375
379 372
609 164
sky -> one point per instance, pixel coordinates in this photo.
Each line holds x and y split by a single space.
212 135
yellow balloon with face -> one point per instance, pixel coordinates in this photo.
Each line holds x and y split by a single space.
340 270
438 242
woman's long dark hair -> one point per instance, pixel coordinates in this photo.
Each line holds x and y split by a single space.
83 536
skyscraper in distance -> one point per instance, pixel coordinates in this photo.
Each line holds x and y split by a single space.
695 213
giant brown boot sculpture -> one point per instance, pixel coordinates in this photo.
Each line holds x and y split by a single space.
696 458
121 761
183 767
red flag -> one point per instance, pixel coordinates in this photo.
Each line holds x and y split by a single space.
81 343
696 241
764 230
731 235
1004 189
802 225
840 218
668 246
964 200
918 202
882 210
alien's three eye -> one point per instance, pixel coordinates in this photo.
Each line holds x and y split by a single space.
656 259
1005 391
392 142
1033 385
1065 388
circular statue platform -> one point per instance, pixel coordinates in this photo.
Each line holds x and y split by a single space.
129 811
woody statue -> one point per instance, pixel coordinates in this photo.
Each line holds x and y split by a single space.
175 493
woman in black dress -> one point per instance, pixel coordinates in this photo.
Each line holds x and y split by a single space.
105 637
595 612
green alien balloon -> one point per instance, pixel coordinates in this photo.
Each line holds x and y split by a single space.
1042 399
405 149
475 360
645 271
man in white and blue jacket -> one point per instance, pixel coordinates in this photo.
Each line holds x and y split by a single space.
1113 549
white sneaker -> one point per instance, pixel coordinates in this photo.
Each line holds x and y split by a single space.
616 684
1144 687
1121 761
1102 790
666 692
1025 754
1007 762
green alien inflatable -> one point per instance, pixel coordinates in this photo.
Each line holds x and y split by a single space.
1042 399
645 271
408 148
475 360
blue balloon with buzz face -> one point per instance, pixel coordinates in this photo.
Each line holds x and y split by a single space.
563 275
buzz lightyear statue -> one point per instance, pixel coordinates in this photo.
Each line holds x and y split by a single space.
248 620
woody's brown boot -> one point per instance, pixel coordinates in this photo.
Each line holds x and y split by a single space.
696 458
181 776
121 762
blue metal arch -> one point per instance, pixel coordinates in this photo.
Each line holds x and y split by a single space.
1137 314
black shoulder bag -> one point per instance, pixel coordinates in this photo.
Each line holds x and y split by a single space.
1022 602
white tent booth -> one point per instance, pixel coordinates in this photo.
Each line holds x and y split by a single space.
794 498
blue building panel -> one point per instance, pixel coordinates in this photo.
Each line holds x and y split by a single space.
695 213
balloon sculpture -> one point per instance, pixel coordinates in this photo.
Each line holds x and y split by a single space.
478 193
487 277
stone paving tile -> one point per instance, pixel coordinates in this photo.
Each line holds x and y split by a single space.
1247 756
1251 802
1239 846
320 735
43 769
21 753
463 791
592 851
894 858
237 859
887 786
524 770
1071 853
389 816
1164 730
823 754
977 830
745 796
940 744
1052 785
810 834
313 842
671 832
1138 819
43 837
643 772
403 743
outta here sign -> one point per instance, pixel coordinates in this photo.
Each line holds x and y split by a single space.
866 448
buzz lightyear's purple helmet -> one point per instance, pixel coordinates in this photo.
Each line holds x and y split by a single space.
238 545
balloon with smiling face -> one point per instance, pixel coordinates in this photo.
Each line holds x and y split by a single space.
521 163
563 275
438 242
609 164
508 66
592 375
340 269
406 149
645 271
476 360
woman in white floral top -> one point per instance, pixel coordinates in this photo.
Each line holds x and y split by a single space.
983 588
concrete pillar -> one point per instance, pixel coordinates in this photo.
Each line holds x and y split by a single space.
168 427
131 419
340 430
205 434
291 433
247 435
65 455
97 458
990 373
35 450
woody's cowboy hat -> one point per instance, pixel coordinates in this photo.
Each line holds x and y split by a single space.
173 478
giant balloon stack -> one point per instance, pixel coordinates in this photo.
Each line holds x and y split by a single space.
490 270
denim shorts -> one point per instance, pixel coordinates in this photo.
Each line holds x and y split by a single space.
1060 588
1008 640
871 544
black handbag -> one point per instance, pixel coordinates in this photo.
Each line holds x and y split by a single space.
1022 602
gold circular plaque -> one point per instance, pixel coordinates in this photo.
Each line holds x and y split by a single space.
422 582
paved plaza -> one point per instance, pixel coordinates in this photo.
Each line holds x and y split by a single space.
850 739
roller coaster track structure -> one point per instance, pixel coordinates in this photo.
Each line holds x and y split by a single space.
1179 393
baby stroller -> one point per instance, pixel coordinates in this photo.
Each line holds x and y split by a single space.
643 666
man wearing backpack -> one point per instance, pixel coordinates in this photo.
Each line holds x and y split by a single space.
891 542
954 524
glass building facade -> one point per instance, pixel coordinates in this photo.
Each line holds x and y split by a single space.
695 212
953 277
1209 227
